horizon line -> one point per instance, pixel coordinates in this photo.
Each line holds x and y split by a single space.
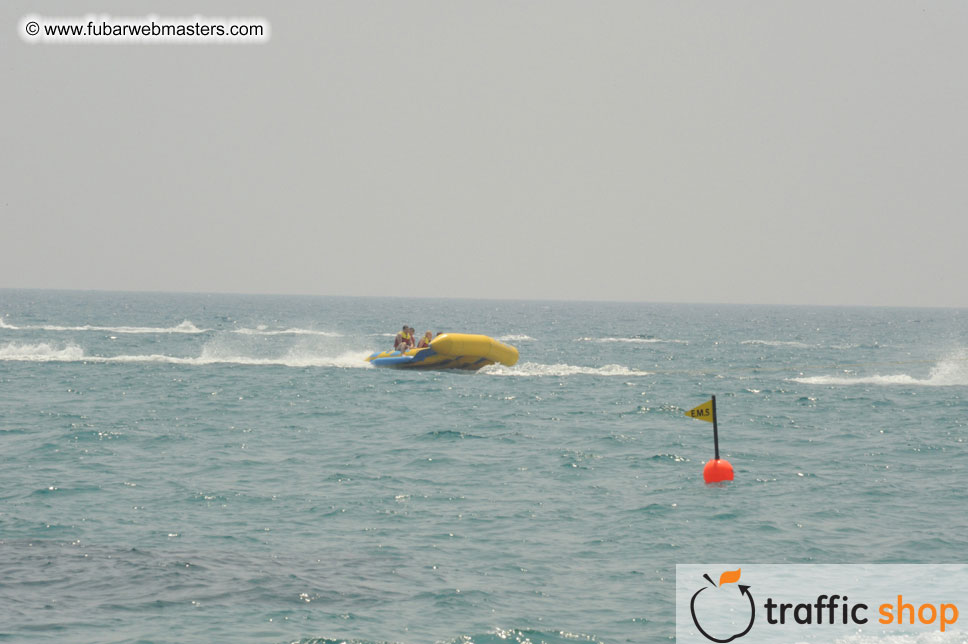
483 299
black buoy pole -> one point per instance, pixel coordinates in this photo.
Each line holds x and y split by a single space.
717 470
715 429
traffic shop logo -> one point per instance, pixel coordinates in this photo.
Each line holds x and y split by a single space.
737 597
726 611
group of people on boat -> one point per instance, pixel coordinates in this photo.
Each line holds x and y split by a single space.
406 339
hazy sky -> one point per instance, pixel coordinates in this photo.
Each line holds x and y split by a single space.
770 152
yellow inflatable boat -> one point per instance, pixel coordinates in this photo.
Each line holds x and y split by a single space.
450 351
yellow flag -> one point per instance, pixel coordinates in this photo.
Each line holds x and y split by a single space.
702 412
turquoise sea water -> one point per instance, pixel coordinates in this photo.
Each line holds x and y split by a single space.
188 468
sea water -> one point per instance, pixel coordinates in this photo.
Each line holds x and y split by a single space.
191 468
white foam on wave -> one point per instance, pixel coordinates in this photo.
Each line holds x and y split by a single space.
515 337
41 352
263 330
537 369
72 353
184 327
948 372
633 340
778 343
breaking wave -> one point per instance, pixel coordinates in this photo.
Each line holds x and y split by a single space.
635 340
778 343
536 369
949 372
185 327
264 330
45 352
42 352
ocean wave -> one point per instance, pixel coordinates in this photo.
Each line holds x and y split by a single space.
537 369
949 372
44 352
186 326
264 330
41 352
635 340
778 343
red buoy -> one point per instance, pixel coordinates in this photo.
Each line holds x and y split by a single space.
717 470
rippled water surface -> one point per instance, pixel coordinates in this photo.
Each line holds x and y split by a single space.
228 468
